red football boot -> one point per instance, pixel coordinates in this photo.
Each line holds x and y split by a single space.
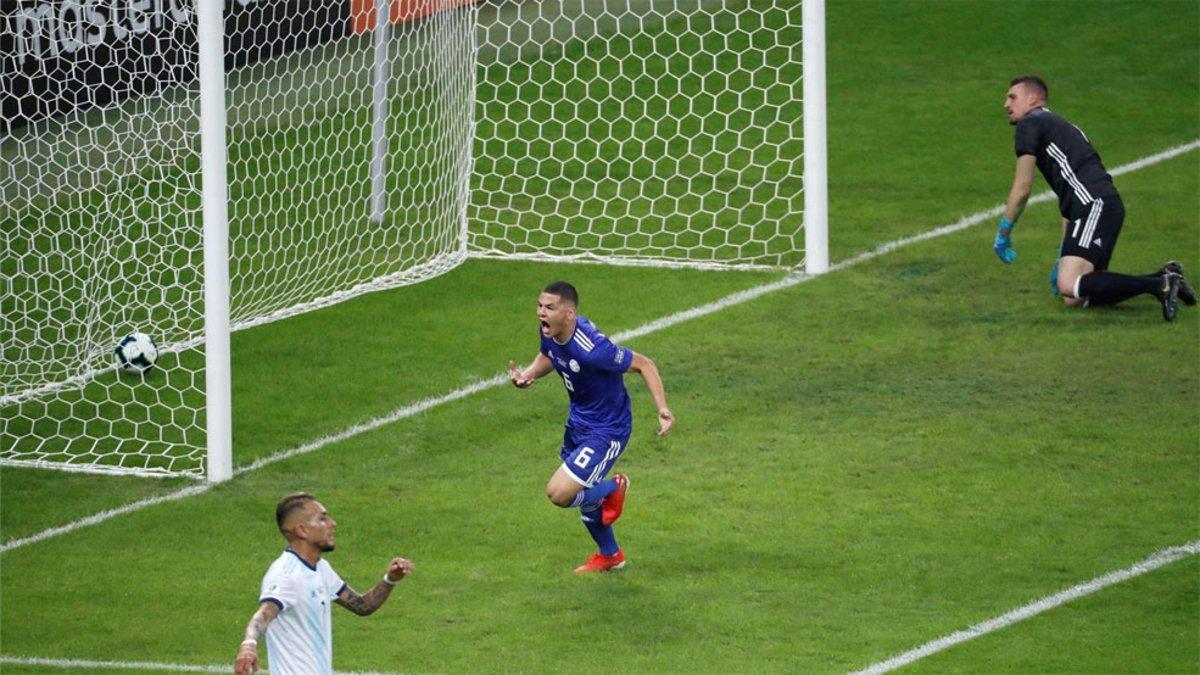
602 563
614 503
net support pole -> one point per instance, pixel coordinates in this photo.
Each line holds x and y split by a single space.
467 156
379 95
816 181
210 31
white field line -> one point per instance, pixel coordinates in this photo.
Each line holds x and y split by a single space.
86 664
645 329
1160 559
996 211
104 515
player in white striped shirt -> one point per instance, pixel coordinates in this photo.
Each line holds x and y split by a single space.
297 592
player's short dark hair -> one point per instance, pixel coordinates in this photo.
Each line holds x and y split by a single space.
1037 83
563 290
289 505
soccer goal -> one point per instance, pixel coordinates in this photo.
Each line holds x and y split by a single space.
188 170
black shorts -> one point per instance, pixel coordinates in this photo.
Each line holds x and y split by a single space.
1092 231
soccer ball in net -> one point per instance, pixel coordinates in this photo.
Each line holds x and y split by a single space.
136 353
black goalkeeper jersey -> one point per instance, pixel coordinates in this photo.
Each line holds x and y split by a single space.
1066 159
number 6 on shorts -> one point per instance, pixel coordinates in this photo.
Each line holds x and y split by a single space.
585 455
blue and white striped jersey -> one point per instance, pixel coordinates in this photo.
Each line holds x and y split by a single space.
300 639
592 368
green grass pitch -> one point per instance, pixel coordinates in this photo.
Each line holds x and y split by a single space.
863 462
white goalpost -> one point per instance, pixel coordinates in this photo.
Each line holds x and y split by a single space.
816 177
214 219
189 168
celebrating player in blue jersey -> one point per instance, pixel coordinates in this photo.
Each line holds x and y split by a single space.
599 420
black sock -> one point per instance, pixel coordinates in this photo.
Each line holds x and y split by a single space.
1109 288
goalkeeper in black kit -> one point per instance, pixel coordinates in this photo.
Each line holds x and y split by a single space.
1091 208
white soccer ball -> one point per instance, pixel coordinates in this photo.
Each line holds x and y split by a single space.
136 353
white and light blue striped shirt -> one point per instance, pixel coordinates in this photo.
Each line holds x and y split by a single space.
300 639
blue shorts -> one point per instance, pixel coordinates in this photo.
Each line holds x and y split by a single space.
588 456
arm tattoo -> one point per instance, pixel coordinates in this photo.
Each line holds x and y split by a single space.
258 624
364 604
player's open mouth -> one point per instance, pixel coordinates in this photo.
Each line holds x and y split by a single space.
545 325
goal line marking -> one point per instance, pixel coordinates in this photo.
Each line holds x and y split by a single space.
1159 559
645 329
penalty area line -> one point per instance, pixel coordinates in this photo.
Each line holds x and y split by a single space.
1159 559
645 329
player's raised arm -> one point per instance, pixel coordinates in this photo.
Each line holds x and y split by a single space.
522 378
364 604
247 657
649 372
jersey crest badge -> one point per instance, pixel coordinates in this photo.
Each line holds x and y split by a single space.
574 366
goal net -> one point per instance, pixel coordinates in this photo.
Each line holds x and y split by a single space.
360 155
656 132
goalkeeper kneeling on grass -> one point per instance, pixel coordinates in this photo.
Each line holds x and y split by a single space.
1091 208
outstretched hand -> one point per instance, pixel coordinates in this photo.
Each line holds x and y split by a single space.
519 380
665 421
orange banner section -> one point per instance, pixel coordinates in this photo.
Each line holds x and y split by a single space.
362 12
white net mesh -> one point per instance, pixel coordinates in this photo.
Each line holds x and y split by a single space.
300 151
640 132
662 132
100 217
100 230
